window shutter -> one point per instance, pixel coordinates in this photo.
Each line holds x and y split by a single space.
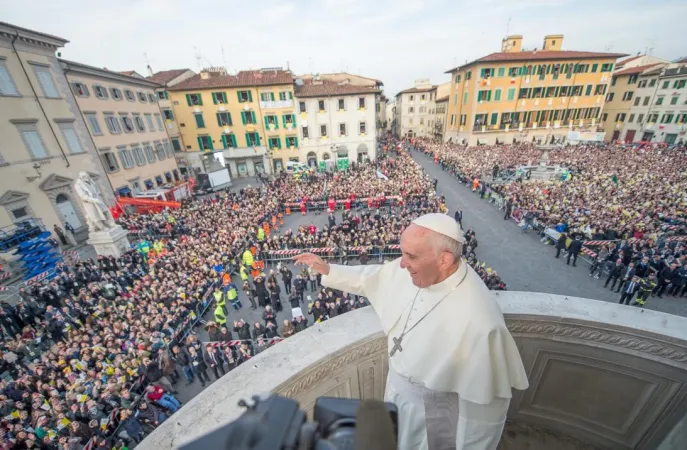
200 143
252 115
250 96
283 119
188 99
200 100
279 143
295 140
293 121
214 98
219 121
272 96
224 140
243 117
257 139
290 95
267 122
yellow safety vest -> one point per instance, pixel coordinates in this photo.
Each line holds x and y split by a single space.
247 258
244 273
220 317
232 294
219 298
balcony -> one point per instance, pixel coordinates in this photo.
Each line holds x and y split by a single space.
276 104
601 375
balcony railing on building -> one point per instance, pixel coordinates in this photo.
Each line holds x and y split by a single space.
276 104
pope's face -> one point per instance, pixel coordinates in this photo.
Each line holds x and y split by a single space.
418 256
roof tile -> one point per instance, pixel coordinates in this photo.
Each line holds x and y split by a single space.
635 70
330 88
165 76
539 55
245 78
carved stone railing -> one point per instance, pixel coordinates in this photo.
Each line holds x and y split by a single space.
601 375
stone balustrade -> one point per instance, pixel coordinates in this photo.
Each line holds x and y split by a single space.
601 375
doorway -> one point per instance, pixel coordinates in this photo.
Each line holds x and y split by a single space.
65 208
242 169
312 159
630 136
647 136
616 135
259 168
670 139
278 165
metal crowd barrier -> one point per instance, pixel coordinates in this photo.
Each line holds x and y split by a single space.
340 254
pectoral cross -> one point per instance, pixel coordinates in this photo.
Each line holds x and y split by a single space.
397 345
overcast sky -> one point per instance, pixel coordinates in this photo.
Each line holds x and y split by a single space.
397 41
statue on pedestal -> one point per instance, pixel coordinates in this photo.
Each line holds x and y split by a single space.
98 215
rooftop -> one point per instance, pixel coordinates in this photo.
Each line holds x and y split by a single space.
27 33
627 60
635 70
326 88
165 76
245 78
414 90
539 55
340 76
105 73
442 99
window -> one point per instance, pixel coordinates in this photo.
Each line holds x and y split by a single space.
93 124
468 75
458 78
667 118
642 84
497 95
224 119
484 96
219 98
465 98
652 83
681 118
342 129
679 84
665 84
160 151
138 121
169 115
33 141
646 101
80 89
362 128
248 117
274 142
513 71
289 119
205 142
422 120
112 124
126 158
200 123
149 121
45 80
631 118
100 92
620 117
463 119
651 118
640 118
342 104
422 97
271 122
252 139
609 97
152 98
129 95
637 100
142 97
305 132
673 100
453 119
229 141
267 97
411 110
116 94
284 95
320 104
659 100
422 109
162 95
633 79
245 96
627 96
110 162
323 130
608 67
149 153
176 145
604 116
301 107
139 156
160 125
21 213
127 124
291 141
7 86
194 100
600 89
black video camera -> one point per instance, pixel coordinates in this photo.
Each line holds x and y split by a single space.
277 423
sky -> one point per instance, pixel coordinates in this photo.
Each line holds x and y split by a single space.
396 41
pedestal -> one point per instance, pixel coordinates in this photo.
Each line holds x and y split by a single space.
111 242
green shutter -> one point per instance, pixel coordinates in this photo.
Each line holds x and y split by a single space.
219 122
511 93
247 139
589 90
200 123
272 96
257 138
250 96
497 95
243 117
188 99
296 141
290 95
238 95
283 119
200 99
279 143
252 115
494 118
214 98
489 95
293 121
200 142
267 123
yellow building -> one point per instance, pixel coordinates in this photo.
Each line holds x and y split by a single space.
249 117
518 95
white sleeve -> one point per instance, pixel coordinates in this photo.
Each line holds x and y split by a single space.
480 426
352 279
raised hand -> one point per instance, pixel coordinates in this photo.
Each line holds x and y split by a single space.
313 261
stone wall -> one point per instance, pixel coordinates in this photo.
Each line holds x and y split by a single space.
601 375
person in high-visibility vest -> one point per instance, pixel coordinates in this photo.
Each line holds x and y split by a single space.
243 273
280 216
261 234
288 210
266 228
247 258
220 316
233 296
219 298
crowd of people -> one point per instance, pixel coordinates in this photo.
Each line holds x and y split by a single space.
102 345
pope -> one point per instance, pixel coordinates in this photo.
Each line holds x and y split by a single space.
452 361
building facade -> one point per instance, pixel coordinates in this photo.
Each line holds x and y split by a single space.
659 109
414 115
250 117
440 108
169 78
336 122
45 143
538 96
126 125
622 94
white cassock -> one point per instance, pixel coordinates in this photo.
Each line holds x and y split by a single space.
452 379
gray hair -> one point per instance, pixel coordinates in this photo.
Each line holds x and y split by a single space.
443 243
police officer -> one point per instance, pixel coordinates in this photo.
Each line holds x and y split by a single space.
646 286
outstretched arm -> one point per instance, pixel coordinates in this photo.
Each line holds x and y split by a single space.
353 279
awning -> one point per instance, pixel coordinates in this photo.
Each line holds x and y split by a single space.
158 179
124 190
149 183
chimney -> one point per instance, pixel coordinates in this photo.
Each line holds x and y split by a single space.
512 43
150 70
553 42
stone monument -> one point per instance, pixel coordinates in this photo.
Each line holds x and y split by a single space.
108 238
